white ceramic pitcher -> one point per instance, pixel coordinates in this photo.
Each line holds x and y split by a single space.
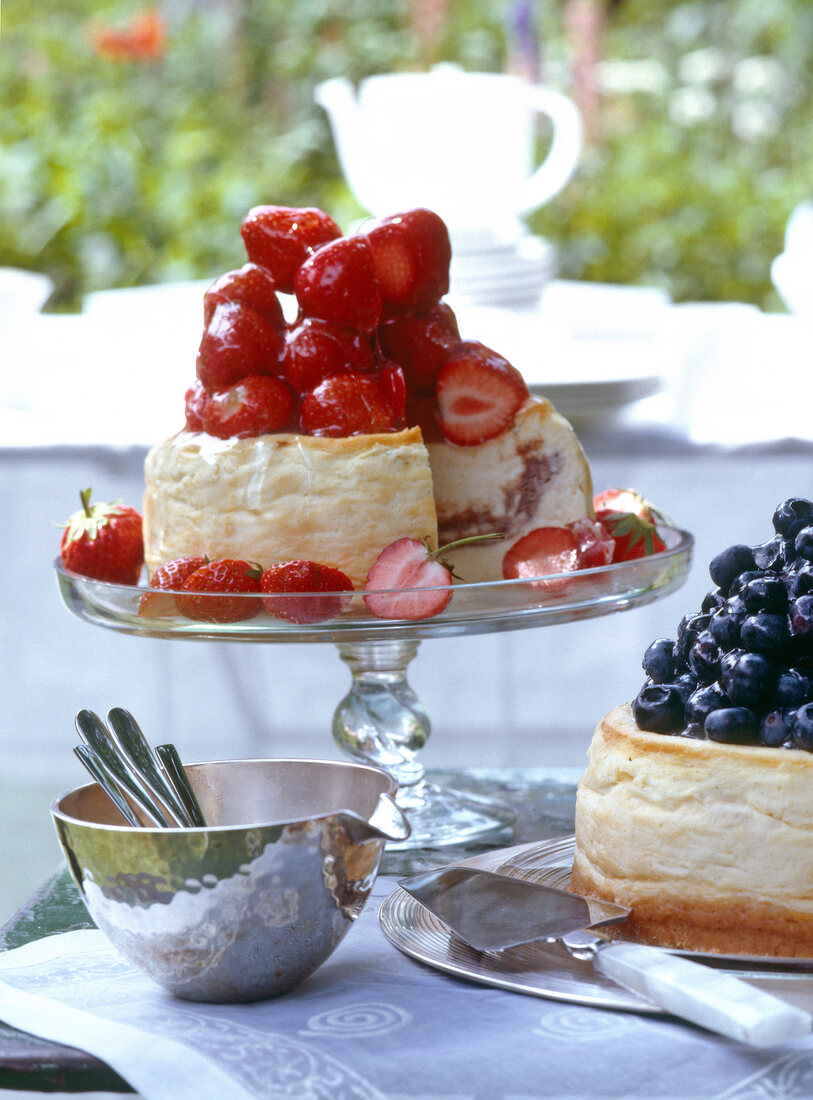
461 143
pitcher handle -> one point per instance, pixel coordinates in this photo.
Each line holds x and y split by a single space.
566 146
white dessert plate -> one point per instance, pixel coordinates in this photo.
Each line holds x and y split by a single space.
548 970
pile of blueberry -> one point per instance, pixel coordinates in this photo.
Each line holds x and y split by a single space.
741 669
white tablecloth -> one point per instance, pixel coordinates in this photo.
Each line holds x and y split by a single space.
374 1024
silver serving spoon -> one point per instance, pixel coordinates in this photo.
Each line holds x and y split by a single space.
128 765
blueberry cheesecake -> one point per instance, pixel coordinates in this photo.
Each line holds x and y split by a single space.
695 808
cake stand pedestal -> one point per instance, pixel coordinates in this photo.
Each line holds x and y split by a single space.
381 721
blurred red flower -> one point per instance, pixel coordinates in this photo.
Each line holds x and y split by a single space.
142 39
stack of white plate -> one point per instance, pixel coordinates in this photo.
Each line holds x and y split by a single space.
512 273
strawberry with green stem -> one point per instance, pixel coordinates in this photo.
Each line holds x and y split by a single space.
103 541
631 521
410 580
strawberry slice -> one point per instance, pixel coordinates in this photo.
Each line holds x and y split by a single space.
237 341
408 564
339 283
229 577
255 405
478 394
631 522
253 286
421 344
412 255
304 577
347 404
316 350
281 238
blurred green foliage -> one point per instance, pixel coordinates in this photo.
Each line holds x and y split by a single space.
125 172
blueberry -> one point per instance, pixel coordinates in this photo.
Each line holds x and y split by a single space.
740 583
729 563
803 727
703 701
801 580
658 708
685 684
749 681
659 661
687 632
736 606
792 689
804 543
713 601
764 632
704 657
765 593
695 729
792 515
732 724
800 617
725 629
776 728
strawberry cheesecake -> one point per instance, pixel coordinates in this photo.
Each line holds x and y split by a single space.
694 809
364 419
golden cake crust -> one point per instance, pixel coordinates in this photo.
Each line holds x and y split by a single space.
534 474
338 501
710 844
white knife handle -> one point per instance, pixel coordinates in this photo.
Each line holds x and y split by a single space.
717 1001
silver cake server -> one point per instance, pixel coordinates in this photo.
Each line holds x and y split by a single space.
493 912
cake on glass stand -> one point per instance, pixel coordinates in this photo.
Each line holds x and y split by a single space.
381 721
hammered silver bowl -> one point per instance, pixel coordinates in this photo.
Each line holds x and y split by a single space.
249 906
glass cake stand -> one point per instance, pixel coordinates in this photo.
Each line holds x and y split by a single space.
381 721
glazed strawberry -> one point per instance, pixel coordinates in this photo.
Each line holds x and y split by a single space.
421 344
229 577
339 283
195 401
253 286
347 404
316 349
304 577
630 521
281 238
391 380
478 394
256 405
412 254
237 341
103 541
166 578
543 551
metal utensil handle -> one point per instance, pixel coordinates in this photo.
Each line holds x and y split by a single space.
106 781
98 739
171 761
127 735
711 998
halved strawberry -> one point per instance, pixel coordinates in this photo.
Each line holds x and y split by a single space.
237 341
195 401
347 404
339 283
543 551
478 394
281 238
412 255
229 577
316 350
256 405
631 521
304 577
253 286
420 344
408 564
